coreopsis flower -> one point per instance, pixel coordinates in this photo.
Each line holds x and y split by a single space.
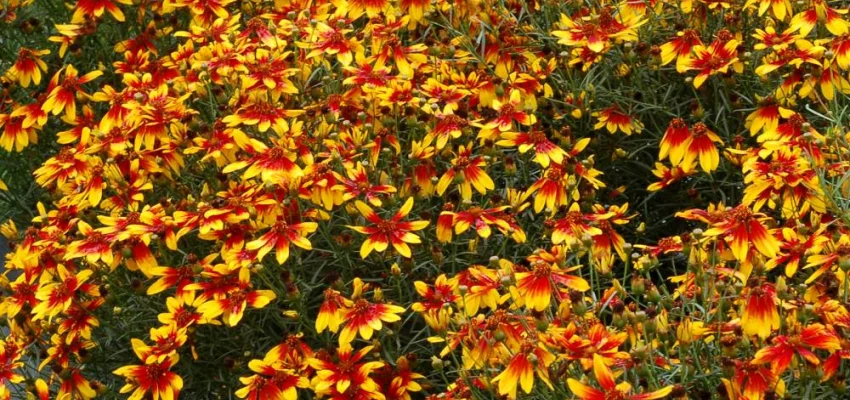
274 378
393 231
610 388
331 312
509 111
701 146
232 305
535 288
532 359
820 11
740 227
598 31
280 235
544 149
268 70
794 247
829 79
575 225
387 46
62 96
467 171
398 94
94 247
263 113
751 381
350 372
273 164
783 348
324 39
582 345
398 382
835 251
483 284
356 183
721 54
94 9
766 116
759 315
779 8
15 135
679 49
155 379
480 219
29 66
364 318
788 177
804 52
613 119
449 126
437 301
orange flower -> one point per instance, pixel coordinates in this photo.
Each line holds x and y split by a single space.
759 315
29 66
521 369
15 135
741 227
721 54
279 237
357 184
544 149
679 49
669 175
480 219
349 373
437 301
781 352
382 232
332 41
701 145
331 312
614 119
468 171
155 379
95 9
751 381
610 388
535 289
233 304
675 141
95 247
62 96
365 317
273 164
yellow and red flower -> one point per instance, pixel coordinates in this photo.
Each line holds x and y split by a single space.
384 232
610 388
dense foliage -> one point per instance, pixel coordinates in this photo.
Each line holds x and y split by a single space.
443 199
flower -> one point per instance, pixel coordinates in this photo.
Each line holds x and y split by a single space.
610 388
61 96
721 54
614 119
279 237
534 289
364 317
782 351
155 379
759 315
29 66
382 232
348 373
532 358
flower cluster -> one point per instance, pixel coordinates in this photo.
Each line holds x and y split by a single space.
450 199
